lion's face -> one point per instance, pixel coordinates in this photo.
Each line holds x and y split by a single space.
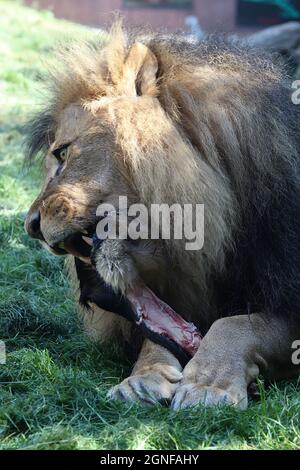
108 132
86 159
80 174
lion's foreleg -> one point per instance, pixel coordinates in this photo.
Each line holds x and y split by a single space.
232 354
154 378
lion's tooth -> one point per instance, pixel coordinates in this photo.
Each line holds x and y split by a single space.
88 240
85 259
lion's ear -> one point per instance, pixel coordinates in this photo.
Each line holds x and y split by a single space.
140 70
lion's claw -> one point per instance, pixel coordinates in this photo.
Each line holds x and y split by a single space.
147 388
191 394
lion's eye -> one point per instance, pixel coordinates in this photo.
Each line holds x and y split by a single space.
61 153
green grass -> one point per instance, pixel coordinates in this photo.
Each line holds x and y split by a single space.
52 389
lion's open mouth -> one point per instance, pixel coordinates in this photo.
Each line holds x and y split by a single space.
75 245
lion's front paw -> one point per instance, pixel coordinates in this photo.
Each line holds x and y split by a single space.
150 387
191 394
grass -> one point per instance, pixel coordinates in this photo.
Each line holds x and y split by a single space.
52 389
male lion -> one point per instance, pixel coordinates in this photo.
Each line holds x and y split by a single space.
163 120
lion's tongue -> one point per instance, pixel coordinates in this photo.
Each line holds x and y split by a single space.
161 319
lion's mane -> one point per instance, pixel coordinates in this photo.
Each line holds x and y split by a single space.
230 135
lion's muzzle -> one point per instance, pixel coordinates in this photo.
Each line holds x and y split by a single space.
60 221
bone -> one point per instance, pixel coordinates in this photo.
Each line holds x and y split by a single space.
160 318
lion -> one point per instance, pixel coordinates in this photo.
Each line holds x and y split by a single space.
161 119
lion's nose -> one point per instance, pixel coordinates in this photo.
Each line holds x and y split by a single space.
33 225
